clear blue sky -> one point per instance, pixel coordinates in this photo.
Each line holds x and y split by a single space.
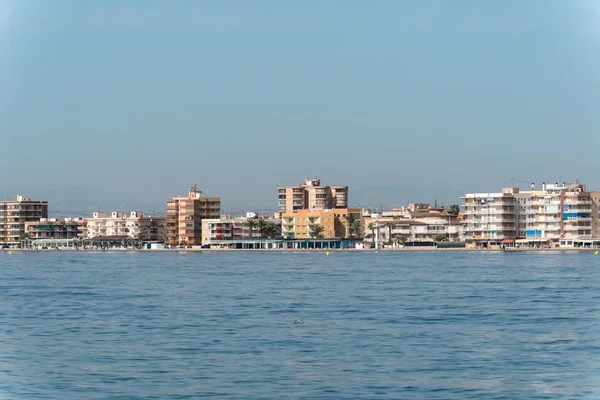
144 97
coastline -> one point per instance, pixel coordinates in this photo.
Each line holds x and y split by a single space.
408 249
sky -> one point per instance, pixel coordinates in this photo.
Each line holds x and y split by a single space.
142 98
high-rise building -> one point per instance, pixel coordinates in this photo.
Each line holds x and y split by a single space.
185 215
312 196
14 215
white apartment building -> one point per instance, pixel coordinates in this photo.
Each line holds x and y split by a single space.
135 225
490 218
558 214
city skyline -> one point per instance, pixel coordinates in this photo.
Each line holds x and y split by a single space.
141 99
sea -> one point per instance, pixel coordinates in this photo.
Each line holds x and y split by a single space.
284 325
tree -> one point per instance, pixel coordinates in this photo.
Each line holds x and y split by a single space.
273 230
371 226
262 227
390 226
316 231
440 237
251 224
454 209
352 220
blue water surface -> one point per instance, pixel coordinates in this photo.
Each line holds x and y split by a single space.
406 325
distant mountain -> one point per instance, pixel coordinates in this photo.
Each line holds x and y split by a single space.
402 195
79 201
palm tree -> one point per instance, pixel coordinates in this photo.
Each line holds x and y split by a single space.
390 226
372 228
251 224
316 231
262 227
351 220
454 209
23 237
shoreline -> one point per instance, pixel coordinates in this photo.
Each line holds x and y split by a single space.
408 249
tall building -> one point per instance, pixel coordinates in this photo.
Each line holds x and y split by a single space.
14 215
185 215
134 225
311 195
490 218
557 214
595 213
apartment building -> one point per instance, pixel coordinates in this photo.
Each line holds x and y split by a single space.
14 215
53 228
490 218
230 229
311 195
595 213
418 224
555 215
298 224
185 215
134 225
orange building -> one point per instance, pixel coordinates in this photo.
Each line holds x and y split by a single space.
299 224
185 215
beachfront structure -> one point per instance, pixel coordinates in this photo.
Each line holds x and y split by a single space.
14 215
53 228
419 224
555 215
334 222
134 225
185 215
312 195
595 213
490 218
252 226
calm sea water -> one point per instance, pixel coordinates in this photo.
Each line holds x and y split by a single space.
449 325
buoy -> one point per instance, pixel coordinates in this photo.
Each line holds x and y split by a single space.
10 252
596 253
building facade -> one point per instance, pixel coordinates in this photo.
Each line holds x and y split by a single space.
185 215
219 230
311 195
490 218
53 228
14 215
415 224
555 215
299 224
134 225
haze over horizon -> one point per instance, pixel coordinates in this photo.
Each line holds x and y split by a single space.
138 99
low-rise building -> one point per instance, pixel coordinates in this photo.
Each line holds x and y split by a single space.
133 225
217 230
46 228
334 223
422 225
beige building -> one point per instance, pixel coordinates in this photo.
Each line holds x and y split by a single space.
252 226
418 224
134 225
185 215
14 215
334 222
311 195
47 228
595 214
560 214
